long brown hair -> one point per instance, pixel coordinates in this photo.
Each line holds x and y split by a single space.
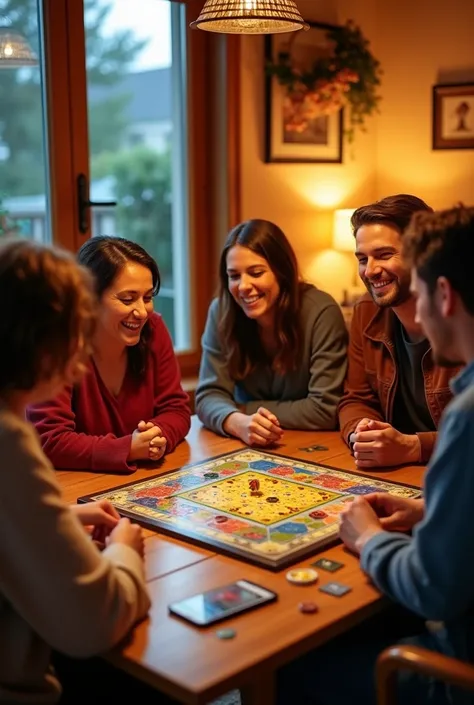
105 256
239 334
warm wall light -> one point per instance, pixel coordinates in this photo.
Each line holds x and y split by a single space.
342 237
250 17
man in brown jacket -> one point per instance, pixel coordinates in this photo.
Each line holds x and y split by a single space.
394 392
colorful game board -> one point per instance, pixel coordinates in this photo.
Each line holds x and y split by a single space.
264 508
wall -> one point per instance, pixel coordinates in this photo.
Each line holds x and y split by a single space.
418 43
421 43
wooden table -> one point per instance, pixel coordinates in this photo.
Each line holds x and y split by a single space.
193 665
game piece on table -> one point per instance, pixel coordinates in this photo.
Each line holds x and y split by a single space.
308 607
254 485
311 449
336 589
302 576
220 519
326 564
226 633
276 534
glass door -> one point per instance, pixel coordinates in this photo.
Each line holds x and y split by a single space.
24 184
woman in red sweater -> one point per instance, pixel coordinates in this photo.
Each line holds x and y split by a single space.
130 406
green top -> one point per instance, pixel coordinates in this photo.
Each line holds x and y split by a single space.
305 398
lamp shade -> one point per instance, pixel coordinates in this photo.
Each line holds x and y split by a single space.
15 51
342 238
250 17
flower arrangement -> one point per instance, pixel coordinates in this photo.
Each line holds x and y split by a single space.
348 76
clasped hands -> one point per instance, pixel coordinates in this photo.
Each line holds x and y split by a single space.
259 429
376 512
378 444
102 522
148 442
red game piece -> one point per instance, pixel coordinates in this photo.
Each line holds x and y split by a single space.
308 607
254 485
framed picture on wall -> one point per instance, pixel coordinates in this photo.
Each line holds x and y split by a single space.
293 132
453 116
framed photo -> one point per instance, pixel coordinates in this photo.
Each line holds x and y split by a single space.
318 139
453 116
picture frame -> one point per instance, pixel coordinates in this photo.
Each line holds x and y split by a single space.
453 116
322 141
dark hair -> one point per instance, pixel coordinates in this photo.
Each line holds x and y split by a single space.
239 334
105 256
52 312
441 244
393 210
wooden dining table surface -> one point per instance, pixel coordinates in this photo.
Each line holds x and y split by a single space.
191 664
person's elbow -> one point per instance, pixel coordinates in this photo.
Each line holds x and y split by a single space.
88 637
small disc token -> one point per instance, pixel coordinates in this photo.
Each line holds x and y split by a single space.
226 633
302 576
272 500
308 607
220 519
211 475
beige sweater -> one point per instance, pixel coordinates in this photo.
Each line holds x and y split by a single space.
56 588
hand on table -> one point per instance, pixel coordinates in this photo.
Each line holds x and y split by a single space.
357 524
259 429
378 444
148 442
129 534
99 518
396 513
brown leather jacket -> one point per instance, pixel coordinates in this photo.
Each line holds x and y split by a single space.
372 377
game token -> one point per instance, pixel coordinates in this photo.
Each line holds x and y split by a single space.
326 564
311 449
272 500
220 519
302 576
308 607
336 589
211 475
226 633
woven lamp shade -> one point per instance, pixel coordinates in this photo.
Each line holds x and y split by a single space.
15 51
250 17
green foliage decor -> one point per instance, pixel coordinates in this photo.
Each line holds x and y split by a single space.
348 77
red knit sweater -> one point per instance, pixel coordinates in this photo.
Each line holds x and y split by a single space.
88 428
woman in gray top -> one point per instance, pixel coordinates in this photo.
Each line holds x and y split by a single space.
274 347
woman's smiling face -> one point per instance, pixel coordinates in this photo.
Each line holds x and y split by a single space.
126 305
252 284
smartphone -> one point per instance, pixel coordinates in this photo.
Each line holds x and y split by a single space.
223 602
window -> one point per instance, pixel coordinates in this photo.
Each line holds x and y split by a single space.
137 113
24 188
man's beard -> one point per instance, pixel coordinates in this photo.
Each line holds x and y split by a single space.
399 294
443 361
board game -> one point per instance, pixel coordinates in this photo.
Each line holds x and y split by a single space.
265 508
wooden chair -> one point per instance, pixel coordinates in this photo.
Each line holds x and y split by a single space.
422 661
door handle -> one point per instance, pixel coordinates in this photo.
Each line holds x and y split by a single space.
84 203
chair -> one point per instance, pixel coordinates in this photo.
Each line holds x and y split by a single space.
422 661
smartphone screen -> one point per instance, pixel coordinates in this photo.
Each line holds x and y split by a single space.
215 605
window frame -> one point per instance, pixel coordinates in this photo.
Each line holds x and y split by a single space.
67 123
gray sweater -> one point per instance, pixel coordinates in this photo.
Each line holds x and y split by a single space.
305 398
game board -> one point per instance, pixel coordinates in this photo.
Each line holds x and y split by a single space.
268 509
